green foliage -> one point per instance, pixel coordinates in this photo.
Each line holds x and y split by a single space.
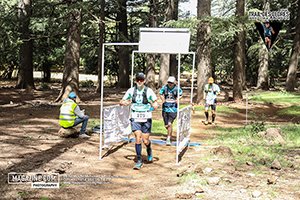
45 86
49 24
87 84
292 111
221 109
158 127
257 126
280 97
249 147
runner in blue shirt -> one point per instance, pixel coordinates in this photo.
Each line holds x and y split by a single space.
169 96
268 33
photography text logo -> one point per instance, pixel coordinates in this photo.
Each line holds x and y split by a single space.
37 180
279 15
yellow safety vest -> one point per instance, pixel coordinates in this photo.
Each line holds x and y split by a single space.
67 116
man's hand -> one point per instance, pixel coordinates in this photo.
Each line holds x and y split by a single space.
155 105
124 102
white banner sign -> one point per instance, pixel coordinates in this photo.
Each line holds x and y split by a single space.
116 124
184 124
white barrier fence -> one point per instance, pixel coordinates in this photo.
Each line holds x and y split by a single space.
183 129
116 124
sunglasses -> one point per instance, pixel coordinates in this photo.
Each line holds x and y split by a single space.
170 83
140 80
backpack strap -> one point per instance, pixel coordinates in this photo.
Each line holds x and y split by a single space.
145 99
134 94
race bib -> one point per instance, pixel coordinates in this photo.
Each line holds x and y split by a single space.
141 116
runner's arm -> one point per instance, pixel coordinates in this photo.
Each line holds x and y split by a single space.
125 102
154 104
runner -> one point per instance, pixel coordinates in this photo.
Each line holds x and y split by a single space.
169 97
143 101
211 90
268 33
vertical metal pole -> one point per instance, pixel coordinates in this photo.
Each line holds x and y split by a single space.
246 108
132 67
192 85
178 106
101 102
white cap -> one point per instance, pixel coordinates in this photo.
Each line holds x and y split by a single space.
171 79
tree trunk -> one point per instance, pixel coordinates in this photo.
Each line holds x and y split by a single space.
25 75
150 69
70 80
172 13
167 67
239 54
263 71
173 65
101 26
164 69
46 66
123 52
203 47
291 79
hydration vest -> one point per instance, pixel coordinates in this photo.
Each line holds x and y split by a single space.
145 99
174 95
173 92
67 116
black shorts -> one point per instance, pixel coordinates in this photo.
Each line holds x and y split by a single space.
169 117
144 127
213 106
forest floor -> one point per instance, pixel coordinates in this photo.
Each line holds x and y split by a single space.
29 142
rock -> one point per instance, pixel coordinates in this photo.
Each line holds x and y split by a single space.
182 172
63 167
256 194
249 163
46 169
250 174
62 150
184 195
198 191
275 135
243 190
207 170
261 134
276 165
198 170
67 132
272 180
222 150
213 180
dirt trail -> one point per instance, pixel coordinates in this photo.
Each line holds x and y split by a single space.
30 143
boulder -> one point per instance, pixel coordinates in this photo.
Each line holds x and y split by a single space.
274 135
222 150
69 132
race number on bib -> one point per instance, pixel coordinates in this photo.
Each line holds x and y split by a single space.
141 116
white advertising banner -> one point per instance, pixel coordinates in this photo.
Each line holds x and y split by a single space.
184 126
116 124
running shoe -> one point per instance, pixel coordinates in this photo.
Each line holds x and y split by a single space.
150 158
168 142
138 165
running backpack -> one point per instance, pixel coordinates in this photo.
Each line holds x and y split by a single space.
174 96
145 99
174 92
